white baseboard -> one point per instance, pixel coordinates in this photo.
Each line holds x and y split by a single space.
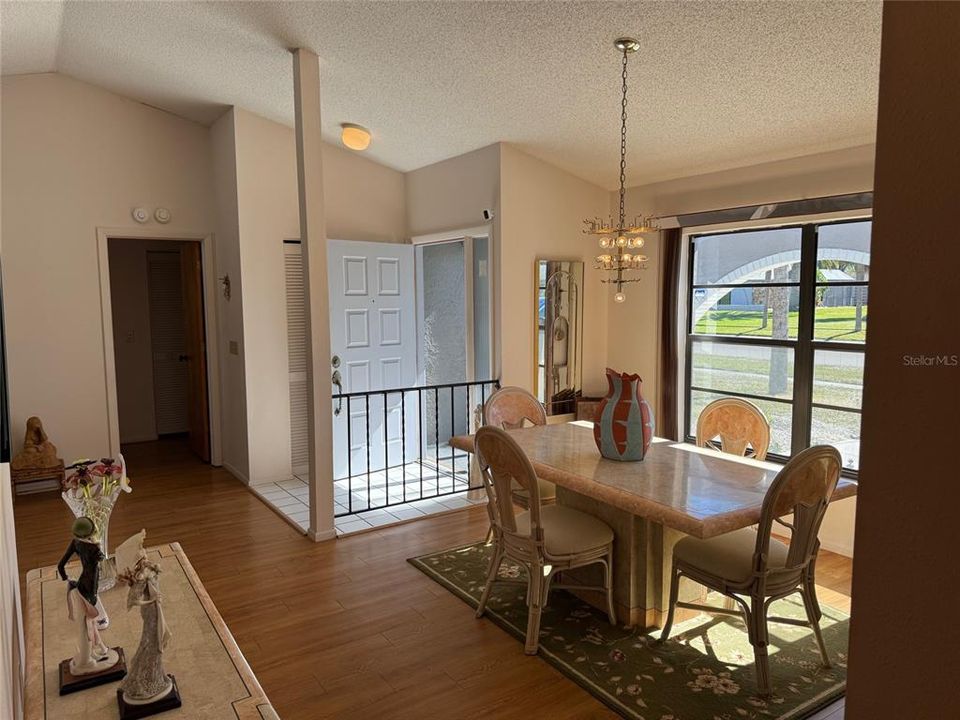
840 548
236 473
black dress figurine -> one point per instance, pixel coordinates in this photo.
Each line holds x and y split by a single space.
93 657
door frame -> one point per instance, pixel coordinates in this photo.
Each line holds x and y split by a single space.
207 254
466 235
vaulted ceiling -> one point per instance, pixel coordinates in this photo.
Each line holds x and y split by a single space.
715 85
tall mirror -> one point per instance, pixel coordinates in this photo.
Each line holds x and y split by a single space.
559 334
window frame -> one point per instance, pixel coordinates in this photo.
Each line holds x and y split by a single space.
804 346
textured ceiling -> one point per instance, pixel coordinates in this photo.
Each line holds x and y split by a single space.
715 84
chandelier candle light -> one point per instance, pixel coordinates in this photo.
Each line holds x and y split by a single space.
618 239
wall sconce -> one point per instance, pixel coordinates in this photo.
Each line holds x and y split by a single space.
225 282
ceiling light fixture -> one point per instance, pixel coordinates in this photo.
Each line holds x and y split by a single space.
618 237
355 137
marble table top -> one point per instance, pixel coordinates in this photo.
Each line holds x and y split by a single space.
698 491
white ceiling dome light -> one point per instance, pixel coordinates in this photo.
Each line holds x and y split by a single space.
355 137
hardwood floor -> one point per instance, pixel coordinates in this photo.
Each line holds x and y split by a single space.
344 628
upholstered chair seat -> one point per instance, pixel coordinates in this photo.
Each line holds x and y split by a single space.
729 556
567 531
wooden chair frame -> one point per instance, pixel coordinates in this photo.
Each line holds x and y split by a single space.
804 487
502 462
508 408
743 428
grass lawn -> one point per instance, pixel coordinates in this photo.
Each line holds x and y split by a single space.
832 323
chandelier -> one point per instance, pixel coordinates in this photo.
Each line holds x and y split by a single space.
618 239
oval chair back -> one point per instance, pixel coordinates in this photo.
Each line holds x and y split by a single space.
502 462
508 407
803 489
735 426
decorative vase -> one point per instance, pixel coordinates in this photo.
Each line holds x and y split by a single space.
624 427
97 509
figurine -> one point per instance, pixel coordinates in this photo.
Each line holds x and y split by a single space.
38 452
84 605
146 683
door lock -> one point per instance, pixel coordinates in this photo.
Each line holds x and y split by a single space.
335 361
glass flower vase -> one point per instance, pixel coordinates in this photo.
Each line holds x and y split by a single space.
98 509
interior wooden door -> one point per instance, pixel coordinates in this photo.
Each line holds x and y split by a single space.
198 410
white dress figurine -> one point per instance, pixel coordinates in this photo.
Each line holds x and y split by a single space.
146 681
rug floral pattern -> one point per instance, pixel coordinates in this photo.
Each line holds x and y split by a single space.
704 672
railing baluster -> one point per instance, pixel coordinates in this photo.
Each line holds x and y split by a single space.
453 452
386 453
420 432
349 459
366 418
403 441
466 407
436 433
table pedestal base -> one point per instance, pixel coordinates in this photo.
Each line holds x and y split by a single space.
642 561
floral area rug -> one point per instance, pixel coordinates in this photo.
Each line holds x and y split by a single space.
703 672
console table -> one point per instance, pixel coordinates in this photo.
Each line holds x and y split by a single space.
215 680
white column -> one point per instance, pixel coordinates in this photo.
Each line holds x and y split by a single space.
313 239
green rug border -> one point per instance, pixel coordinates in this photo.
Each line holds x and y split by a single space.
599 693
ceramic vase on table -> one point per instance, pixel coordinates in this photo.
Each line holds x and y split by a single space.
91 489
624 426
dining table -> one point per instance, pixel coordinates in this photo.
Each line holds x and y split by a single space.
678 489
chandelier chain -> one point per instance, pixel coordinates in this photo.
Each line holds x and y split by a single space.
623 141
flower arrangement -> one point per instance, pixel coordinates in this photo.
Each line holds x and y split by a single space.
91 487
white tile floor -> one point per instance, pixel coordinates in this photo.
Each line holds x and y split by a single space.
414 490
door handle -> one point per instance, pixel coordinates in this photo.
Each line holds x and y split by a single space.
336 379
183 358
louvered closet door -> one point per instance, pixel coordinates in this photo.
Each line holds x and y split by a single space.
170 379
297 356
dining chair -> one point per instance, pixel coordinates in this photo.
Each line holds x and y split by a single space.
753 568
511 408
544 539
735 426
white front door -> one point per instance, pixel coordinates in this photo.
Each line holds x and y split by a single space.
373 342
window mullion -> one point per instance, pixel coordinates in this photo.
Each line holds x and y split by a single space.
803 360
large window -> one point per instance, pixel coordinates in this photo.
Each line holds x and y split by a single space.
779 316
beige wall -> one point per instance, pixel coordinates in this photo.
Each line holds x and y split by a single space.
233 398
903 656
831 173
363 201
542 211
78 158
75 158
452 194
